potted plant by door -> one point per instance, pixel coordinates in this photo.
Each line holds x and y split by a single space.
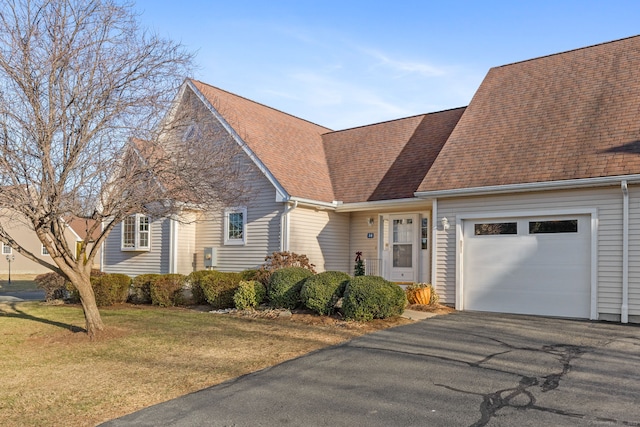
420 293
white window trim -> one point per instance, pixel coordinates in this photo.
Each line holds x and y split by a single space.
227 212
137 247
4 247
43 250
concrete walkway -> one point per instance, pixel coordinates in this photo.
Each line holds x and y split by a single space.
417 315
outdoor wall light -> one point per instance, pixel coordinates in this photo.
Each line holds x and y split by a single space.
370 221
445 223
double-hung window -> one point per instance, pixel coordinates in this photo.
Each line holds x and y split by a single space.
135 233
235 226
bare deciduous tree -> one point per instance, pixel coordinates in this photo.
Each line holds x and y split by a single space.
87 129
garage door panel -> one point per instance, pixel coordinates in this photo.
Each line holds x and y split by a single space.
530 301
546 274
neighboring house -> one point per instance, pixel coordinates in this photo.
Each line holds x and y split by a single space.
27 238
526 201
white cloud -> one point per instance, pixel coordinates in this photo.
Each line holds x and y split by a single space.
405 67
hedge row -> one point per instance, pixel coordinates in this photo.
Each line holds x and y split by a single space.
362 297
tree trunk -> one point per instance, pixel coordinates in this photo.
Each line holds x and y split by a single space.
92 317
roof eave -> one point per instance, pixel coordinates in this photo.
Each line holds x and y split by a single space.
529 186
407 203
301 201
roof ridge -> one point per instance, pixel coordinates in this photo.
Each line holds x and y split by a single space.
566 51
394 120
261 104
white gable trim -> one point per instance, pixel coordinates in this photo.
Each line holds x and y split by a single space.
281 194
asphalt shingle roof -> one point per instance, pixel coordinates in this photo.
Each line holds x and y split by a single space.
386 160
290 147
565 116
375 162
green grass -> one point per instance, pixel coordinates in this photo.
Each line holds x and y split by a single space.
52 375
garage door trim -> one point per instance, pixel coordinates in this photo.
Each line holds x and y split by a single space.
533 213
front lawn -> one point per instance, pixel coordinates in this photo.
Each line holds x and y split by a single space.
53 375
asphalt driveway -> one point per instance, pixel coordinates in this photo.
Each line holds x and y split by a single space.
462 369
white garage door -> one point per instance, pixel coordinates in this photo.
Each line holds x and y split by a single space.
528 265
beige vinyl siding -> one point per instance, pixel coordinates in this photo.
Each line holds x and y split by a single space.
133 263
186 245
358 237
634 253
323 236
27 238
263 231
607 201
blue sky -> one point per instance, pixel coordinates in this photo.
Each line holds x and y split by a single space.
349 63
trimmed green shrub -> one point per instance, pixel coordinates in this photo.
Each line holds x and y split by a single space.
219 287
166 289
53 284
372 297
321 292
278 260
72 294
110 289
195 280
250 274
249 295
140 292
285 285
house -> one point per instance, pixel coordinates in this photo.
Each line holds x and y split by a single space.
526 201
27 238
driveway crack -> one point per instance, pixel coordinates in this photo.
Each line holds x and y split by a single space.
522 396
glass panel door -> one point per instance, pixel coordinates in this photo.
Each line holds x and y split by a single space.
402 241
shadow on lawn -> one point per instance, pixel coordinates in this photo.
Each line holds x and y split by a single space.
12 310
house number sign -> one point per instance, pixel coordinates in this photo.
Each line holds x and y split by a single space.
369 235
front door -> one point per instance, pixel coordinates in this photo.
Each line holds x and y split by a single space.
403 233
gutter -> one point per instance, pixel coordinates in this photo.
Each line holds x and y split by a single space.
530 186
381 204
339 206
624 309
313 203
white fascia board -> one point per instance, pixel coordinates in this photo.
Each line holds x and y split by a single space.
382 204
175 104
313 203
530 186
78 238
261 166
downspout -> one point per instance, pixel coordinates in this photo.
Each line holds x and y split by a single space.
172 246
624 310
284 226
434 241
102 247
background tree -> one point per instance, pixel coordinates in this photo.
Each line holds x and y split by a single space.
87 130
